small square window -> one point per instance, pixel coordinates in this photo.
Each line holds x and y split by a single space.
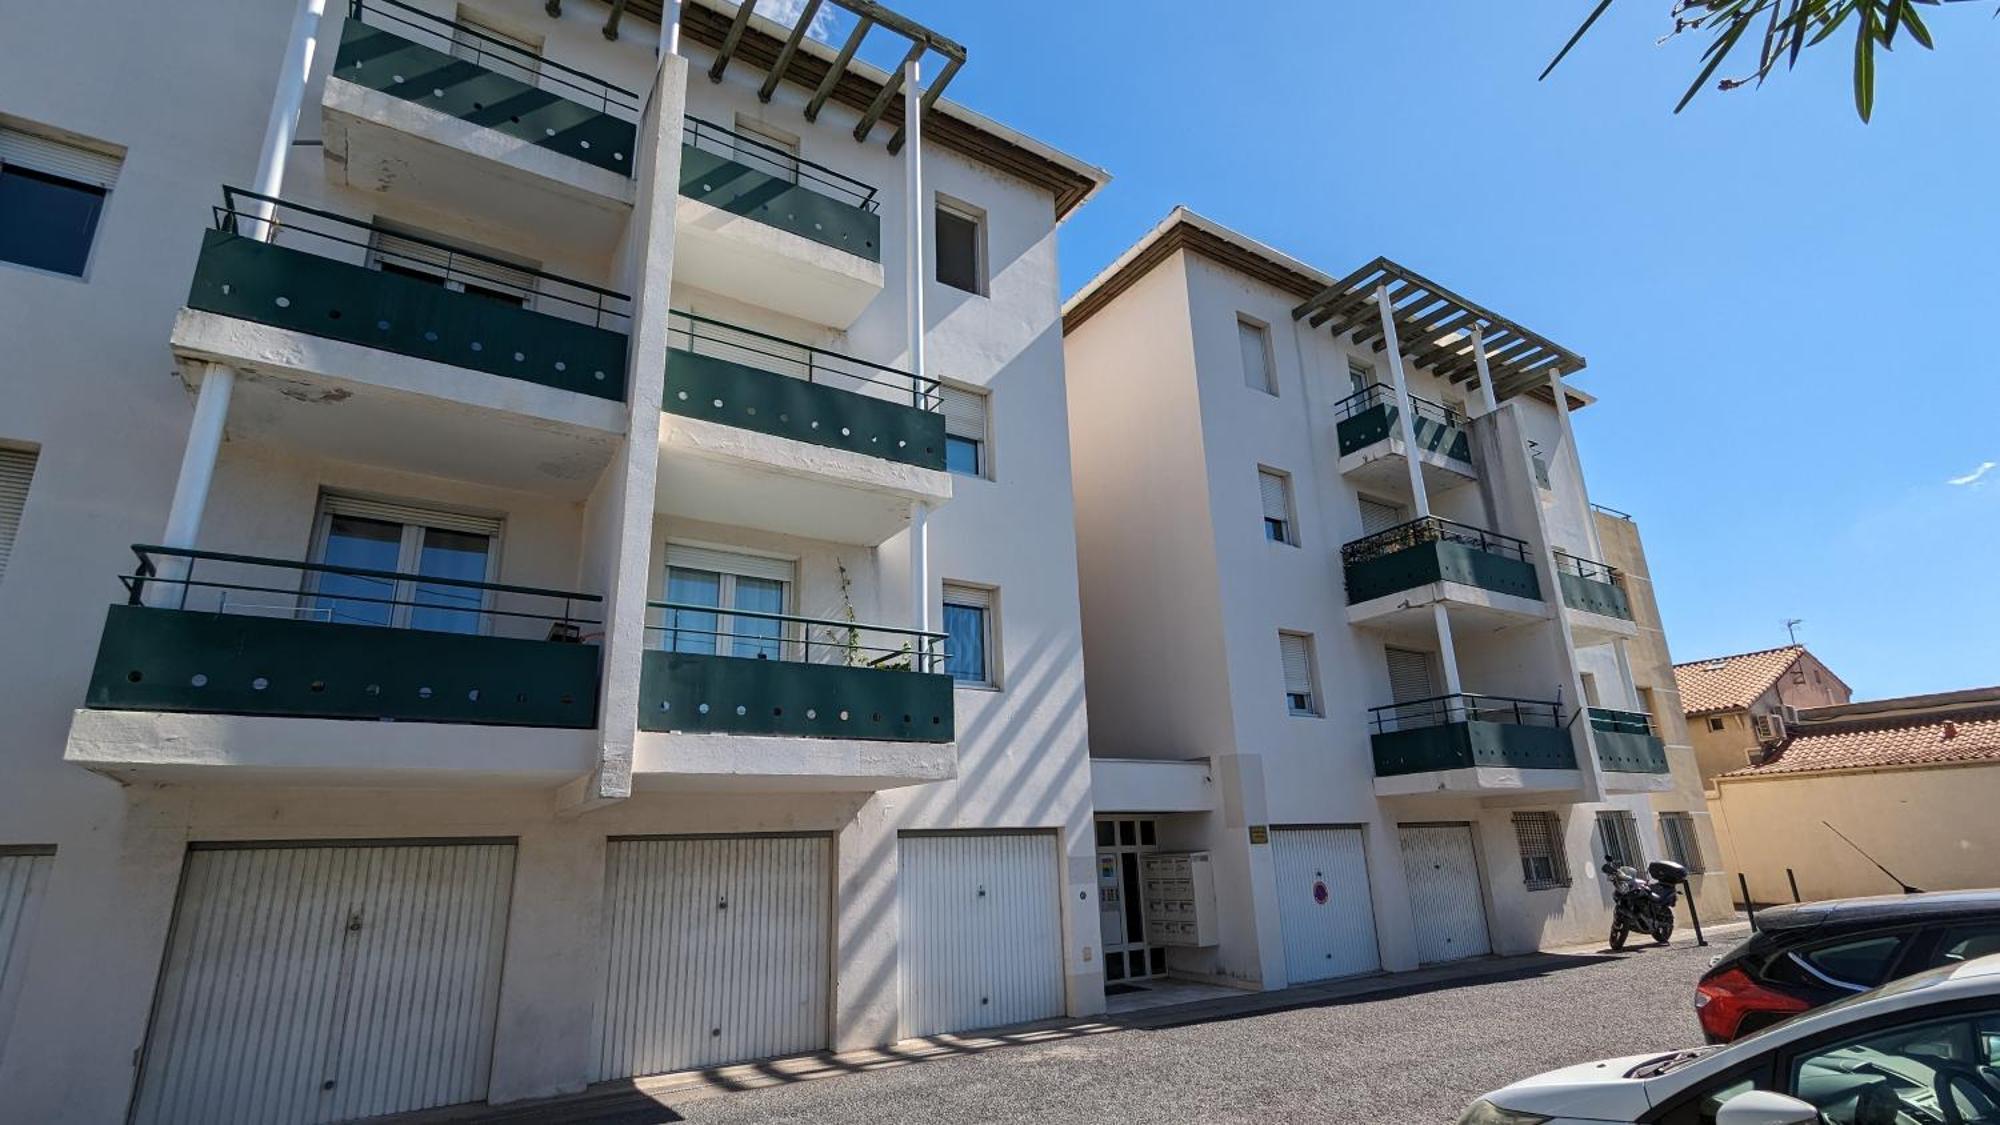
961 248
969 640
1295 652
1539 836
1274 491
52 195
1146 833
1254 342
1107 834
1715 723
965 431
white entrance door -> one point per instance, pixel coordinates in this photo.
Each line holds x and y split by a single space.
322 983
23 874
717 950
1441 871
981 930
1324 913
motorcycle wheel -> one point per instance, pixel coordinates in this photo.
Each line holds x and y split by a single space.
1663 930
1619 931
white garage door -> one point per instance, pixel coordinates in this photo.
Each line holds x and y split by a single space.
717 951
23 874
981 931
1442 873
1324 912
321 983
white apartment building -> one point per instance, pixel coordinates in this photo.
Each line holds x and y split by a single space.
496 595
1353 648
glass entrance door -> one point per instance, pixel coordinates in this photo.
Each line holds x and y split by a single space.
1121 900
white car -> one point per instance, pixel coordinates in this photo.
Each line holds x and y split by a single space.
1923 1050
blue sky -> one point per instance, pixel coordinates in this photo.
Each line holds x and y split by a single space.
1788 314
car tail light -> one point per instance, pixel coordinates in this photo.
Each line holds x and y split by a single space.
1724 999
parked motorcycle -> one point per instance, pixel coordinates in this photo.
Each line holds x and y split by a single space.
1644 905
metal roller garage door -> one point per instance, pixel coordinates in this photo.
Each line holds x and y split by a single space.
981 930
23 874
322 983
1324 911
717 951
1441 870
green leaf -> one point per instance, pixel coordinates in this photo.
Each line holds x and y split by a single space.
1918 31
1716 53
1864 64
1560 55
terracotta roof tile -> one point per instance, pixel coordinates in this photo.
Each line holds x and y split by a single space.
1917 741
1731 683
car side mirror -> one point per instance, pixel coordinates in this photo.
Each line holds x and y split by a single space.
1765 1107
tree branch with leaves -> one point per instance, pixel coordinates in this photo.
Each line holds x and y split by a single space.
1781 31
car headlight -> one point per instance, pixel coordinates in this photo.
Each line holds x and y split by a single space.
1483 1112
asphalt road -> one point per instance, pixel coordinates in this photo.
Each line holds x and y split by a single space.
1415 1057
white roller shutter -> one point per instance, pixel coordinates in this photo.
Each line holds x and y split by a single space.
393 512
323 983
981 930
1409 675
1441 871
17 470
1377 516
1275 492
1296 655
23 875
719 561
1325 914
717 950
964 413
71 162
410 252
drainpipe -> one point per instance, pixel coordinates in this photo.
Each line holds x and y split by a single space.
211 408
670 28
913 281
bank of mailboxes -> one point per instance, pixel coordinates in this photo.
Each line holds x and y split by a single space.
1180 898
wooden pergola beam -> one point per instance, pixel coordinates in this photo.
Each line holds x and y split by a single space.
931 93
728 49
791 47
839 67
880 105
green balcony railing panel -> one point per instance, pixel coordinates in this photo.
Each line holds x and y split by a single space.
382 60
1434 436
1593 596
724 184
285 288
182 660
697 693
1378 423
1440 561
1624 752
1465 745
754 399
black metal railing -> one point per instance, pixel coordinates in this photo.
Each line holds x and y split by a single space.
1621 722
1462 708
512 60
720 339
338 237
219 582
1377 394
756 635
1612 512
775 161
1588 569
1432 529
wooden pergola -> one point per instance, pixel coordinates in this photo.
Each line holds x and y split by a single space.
1437 329
727 31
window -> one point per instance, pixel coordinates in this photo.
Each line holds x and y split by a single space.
965 431
1295 652
511 55
968 626
17 468
1677 831
1934 1071
1968 943
51 197
1253 341
1539 835
385 536
1715 723
1275 490
437 260
1856 964
1411 681
766 149
961 248
1618 835
1377 516
1360 375
733 590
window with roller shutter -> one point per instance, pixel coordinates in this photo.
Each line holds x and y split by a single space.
52 194
1377 516
1275 491
965 441
1295 652
1539 836
17 469
457 266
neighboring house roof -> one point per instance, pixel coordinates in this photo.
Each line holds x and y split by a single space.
1731 683
1912 741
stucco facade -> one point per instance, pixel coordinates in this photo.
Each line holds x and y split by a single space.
1722 734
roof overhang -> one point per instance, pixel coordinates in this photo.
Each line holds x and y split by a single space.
1434 329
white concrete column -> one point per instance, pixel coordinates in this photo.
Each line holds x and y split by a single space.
1447 651
1406 424
1487 400
920 567
286 102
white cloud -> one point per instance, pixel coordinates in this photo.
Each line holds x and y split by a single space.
1973 477
787 12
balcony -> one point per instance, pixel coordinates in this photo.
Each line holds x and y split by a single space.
1629 750
1594 600
758 224
423 106
1371 443
1472 744
735 699
387 347
257 669
792 438
1394 577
